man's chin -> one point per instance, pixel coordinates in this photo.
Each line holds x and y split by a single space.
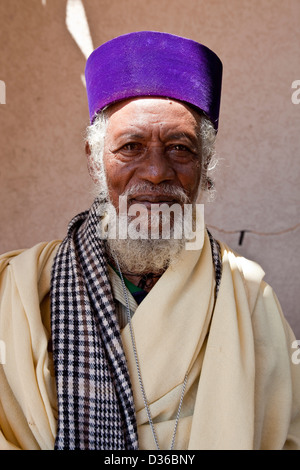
142 243
144 255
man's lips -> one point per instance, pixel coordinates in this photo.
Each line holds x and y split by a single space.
148 200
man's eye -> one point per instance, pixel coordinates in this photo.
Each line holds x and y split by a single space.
179 150
132 147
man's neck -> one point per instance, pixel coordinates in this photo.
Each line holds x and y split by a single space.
144 281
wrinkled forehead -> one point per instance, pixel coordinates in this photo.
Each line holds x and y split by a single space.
135 108
141 116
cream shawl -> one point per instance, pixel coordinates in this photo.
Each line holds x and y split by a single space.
243 390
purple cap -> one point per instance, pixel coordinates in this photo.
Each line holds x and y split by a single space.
150 63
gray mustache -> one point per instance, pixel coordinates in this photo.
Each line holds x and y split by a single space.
164 189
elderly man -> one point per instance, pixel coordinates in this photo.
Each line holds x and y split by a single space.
132 341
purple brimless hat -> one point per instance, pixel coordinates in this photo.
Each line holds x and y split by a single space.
150 63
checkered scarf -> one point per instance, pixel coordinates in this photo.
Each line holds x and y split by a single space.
95 401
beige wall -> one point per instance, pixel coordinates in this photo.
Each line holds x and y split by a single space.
44 181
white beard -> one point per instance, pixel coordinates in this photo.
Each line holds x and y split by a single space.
144 255
140 256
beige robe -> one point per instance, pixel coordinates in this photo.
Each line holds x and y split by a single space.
243 390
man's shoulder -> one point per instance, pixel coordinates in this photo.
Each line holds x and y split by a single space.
250 269
40 251
29 261
246 274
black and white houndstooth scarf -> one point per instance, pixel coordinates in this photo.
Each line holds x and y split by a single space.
95 401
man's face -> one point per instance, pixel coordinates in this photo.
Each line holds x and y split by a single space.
153 142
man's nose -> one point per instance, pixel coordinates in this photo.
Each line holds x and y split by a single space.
156 168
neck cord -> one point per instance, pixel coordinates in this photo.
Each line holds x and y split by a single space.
140 375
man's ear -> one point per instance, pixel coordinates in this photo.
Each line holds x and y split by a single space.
92 166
